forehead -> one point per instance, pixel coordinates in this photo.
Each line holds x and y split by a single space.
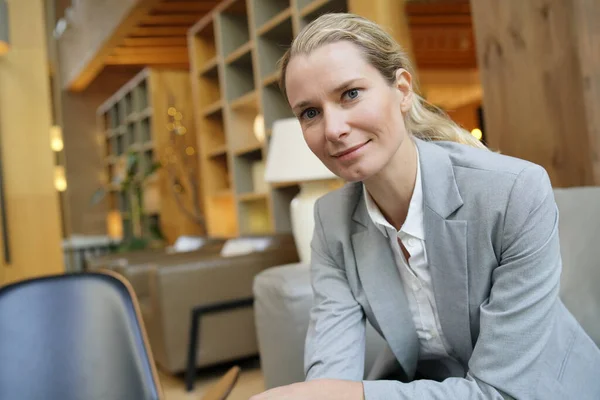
324 68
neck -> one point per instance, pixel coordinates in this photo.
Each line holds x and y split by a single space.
393 186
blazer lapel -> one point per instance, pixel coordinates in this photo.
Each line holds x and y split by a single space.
381 282
446 243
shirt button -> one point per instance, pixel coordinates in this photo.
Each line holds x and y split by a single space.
411 242
427 336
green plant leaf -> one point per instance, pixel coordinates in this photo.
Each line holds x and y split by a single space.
153 168
97 196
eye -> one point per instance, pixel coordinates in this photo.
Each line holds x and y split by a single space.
309 113
351 94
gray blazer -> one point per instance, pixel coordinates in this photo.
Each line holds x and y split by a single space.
491 232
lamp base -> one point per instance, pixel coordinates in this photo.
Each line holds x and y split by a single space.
302 215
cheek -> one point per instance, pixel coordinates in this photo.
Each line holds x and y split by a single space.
315 141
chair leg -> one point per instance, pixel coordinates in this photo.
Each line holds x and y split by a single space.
190 373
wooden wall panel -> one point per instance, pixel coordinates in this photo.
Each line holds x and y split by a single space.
539 69
25 117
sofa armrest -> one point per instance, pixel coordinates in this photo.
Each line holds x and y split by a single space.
177 289
196 320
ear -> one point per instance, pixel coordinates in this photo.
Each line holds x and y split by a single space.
404 85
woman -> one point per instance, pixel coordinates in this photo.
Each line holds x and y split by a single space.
450 250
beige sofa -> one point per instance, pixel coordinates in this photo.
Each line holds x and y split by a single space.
170 287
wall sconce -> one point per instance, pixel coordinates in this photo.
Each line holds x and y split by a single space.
4 28
477 134
56 140
60 178
259 128
114 225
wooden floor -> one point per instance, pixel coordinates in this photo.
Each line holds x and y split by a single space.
249 383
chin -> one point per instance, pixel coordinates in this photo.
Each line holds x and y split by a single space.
355 174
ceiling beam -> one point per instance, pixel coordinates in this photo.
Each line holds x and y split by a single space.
83 54
154 41
148 59
185 6
159 31
171 19
148 50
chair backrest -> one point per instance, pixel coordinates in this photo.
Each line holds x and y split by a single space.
73 337
579 232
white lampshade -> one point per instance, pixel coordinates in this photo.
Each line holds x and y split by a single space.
289 158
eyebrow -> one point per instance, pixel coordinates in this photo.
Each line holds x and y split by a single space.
343 86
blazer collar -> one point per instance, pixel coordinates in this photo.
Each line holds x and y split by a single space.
447 243
440 192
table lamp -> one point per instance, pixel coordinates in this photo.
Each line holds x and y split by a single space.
291 161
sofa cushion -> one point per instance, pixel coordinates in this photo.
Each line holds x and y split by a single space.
241 246
579 230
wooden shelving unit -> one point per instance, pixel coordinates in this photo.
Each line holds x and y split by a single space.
234 52
135 119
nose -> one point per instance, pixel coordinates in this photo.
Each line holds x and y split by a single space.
336 124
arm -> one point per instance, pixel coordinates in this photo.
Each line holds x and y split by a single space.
335 342
516 320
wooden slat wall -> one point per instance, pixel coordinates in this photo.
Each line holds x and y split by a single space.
25 117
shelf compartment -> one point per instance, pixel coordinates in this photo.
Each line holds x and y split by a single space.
241 126
112 118
246 100
248 197
275 21
212 133
239 52
218 152
204 44
244 151
145 113
213 109
210 68
249 172
239 76
209 87
130 135
220 215
254 217
266 10
234 30
275 106
271 79
217 175
144 130
272 45
140 97
118 145
311 10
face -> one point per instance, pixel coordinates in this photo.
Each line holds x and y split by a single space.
351 117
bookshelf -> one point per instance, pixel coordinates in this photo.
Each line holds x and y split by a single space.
234 51
135 118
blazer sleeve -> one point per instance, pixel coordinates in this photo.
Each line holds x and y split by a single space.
335 341
516 320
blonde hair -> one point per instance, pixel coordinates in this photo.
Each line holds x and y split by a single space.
424 120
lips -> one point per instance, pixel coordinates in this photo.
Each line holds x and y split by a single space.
348 151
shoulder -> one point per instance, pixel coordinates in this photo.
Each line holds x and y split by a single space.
339 204
493 171
471 158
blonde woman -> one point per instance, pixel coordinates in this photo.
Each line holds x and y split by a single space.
450 250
